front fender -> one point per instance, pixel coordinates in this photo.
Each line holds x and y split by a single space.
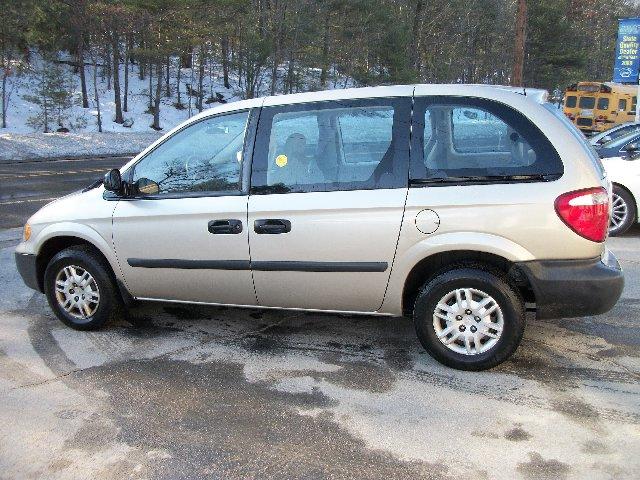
408 257
72 229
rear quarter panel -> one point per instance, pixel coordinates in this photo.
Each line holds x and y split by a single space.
516 221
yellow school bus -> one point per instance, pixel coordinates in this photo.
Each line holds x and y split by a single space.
598 106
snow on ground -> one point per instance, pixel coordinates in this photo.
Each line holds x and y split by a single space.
20 141
15 146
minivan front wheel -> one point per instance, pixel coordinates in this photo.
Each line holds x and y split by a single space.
80 289
469 318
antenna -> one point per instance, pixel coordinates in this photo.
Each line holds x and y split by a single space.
524 89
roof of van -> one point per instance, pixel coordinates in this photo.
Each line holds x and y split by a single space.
492 91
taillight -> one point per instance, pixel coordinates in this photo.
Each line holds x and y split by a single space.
586 212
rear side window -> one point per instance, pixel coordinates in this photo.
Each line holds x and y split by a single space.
571 101
603 103
329 146
468 139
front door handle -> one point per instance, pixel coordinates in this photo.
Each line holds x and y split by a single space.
271 226
230 226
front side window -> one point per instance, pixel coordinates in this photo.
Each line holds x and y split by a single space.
571 101
603 103
328 146
476 139
204 157
587 102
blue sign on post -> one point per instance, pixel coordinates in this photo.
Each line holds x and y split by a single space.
625 69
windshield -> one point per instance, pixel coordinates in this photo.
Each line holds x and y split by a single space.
595 158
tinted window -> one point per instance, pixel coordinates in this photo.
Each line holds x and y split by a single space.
204 157
466 138
620 141
571 101
342 145
603 103
622 131
475 130
587 102
622 105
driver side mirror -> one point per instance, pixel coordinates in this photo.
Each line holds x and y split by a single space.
113 181
632 147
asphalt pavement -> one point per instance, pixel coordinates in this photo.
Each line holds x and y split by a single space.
27 186
202 392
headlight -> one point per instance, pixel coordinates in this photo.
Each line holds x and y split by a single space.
26 232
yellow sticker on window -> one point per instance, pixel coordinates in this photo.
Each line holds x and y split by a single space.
281 160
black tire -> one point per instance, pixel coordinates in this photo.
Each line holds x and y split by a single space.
490 282
109 305
622 195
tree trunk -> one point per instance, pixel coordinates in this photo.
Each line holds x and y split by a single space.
151 86
178 104
416 32
167 86
156 107
127 49
140 62
83 80
95 92
201 59
107 62
116 76
190 88
325 52
187 57
4 99
225 61
45 105
521 35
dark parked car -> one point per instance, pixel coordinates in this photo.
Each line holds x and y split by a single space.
620 147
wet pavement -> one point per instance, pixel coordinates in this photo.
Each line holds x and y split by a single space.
199 392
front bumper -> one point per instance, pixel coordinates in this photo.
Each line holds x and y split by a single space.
27 267
574 288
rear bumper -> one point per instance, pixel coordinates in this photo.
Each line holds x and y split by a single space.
574 288
27 268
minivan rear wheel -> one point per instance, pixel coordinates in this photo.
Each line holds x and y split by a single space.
469 318
80 289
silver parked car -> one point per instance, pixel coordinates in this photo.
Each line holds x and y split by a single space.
462 206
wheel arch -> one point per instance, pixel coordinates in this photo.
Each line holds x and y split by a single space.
56 238
432 265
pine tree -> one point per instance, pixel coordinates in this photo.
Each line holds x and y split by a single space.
51 93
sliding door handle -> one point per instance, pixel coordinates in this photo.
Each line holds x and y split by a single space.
271 226
230 226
